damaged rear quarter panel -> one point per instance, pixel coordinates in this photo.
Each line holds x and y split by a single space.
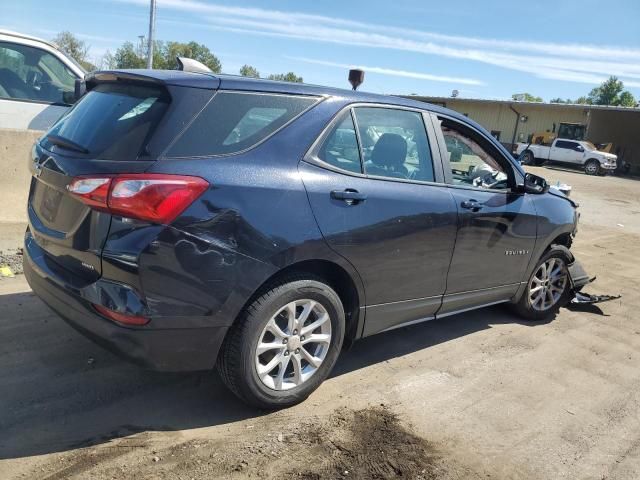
249 224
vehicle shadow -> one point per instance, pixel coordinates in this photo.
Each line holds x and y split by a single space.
60 391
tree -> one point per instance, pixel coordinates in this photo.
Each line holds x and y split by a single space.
627 99
75 48
526 97
611 92
164 55
286 77
249 71
560 100
127 57
199 52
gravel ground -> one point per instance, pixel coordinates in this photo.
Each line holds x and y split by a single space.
12 258
477 395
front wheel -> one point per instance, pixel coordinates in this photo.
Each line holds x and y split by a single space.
592 167
549 286
284 345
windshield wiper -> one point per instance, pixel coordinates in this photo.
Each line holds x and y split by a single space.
66 143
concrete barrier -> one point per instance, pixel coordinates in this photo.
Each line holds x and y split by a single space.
15 149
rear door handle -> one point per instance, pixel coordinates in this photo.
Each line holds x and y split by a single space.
473 205
349 196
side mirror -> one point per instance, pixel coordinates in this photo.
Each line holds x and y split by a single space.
534 184
580 148
79 89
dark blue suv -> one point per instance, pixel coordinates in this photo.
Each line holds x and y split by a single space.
187 221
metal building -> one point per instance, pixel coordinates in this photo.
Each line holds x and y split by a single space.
513 121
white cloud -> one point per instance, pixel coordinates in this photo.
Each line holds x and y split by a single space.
589 64
392 72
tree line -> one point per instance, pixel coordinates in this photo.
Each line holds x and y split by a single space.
609 92
129 55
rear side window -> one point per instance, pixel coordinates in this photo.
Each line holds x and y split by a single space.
565 144
113 121
340 149
234 121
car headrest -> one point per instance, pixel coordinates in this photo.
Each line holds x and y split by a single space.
389 151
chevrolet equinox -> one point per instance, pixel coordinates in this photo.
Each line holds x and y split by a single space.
190 220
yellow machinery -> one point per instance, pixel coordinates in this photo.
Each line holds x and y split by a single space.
570 131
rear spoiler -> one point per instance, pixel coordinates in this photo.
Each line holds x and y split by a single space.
155 77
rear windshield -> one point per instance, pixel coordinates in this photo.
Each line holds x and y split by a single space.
235 121
112 121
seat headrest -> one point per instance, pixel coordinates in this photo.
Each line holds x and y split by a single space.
389 151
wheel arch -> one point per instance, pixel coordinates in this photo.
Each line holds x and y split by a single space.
337 277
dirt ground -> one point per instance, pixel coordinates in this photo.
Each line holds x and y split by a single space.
478 395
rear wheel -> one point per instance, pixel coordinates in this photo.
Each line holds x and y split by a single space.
285 343
548 288
592 167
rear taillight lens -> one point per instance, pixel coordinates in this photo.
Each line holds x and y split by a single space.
155 198
121 317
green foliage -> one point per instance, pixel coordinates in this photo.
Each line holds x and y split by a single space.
286 77
164 55
75 48
249 71
127 57
560 100
627 99
611 92
527 97
200 52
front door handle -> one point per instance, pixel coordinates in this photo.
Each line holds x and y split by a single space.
349 196
472 205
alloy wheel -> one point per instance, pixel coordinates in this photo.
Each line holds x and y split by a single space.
592 168
293 344
548 284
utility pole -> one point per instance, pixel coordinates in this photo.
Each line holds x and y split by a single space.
152 34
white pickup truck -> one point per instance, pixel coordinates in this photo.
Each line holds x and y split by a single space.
576 152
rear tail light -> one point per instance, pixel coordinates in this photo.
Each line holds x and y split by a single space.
155 198
121 317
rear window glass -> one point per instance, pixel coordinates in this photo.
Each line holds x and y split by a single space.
113 121
235 121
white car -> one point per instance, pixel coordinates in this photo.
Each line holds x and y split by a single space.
37 82
575 152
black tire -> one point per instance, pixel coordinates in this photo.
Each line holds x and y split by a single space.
592 167
237 359
528 158
524 306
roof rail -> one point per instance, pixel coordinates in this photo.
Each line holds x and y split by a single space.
190 65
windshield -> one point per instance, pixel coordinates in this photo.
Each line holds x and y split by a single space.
111 122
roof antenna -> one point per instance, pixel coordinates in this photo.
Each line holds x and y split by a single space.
356 77
190 65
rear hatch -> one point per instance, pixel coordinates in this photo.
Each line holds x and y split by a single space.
108 131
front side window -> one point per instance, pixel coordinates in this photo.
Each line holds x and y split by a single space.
471 163
340 149
29 73
235 121
394 143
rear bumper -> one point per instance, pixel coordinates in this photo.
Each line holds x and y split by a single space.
166 349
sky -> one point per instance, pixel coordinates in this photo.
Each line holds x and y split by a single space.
483 49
